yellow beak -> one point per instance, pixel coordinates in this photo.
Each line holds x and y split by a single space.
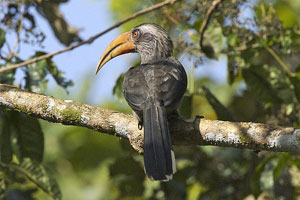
121 45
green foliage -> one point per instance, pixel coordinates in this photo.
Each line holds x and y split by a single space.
214 41
127 175
6 147
261 42
29 136
222 112
296 82
21 136
2 37
185 109
127 8
40 176
262 51
58 75
118 91
26 174
22 147
260 87
64 32
255 182
7 77
36 75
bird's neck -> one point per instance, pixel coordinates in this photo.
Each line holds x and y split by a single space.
154 52
151 58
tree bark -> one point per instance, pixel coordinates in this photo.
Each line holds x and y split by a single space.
198 131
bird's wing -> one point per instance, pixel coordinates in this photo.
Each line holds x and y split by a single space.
135 88
167 81
163 81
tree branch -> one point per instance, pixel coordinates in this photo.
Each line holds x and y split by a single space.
196 132
284 67
91 39
204 24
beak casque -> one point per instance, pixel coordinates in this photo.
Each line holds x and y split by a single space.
121 45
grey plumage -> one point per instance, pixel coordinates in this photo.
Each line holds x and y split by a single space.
154 91
154 43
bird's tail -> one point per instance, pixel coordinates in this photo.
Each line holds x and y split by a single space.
159 158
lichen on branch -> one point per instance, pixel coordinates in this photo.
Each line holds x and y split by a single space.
194 132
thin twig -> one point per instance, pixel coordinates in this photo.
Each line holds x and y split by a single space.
284 67
204 24
91 39
18 34
12 52
241 48
172 19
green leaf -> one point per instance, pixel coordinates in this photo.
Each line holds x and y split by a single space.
195 190
255 180
234 65
2 183
2 37
222 112
296 82
269 83
30 138
40 176
35 77
127 174
185 109
232 40
259 86
36 74
5 142
7 77
63 31
123 9
285 14
58 75
197 24
283 161
231 74
214 40
118 90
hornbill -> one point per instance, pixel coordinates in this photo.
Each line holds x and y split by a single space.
153 90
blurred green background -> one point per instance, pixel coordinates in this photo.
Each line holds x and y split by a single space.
247 70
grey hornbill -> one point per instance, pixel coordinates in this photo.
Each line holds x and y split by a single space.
153 90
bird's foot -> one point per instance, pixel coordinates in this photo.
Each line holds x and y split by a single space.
140 125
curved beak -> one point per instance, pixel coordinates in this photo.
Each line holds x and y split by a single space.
121 45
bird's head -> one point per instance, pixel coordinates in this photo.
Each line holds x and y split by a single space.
151 41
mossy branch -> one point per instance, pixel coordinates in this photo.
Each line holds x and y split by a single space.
195 132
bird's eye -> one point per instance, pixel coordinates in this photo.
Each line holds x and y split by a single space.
135 34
